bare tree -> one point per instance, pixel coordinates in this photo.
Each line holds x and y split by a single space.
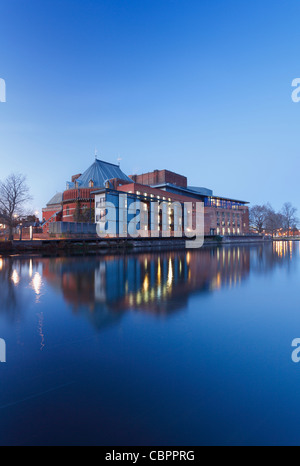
14 194
274 220
289 216
257 216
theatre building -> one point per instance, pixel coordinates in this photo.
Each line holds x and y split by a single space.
86 195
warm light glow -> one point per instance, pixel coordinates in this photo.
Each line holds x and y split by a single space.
15 278
30 268
170 273
159 272
36 284
138 298
146 283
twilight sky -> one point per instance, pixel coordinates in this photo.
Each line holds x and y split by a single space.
200 87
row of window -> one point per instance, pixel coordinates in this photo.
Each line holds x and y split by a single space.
233 224
215 202
228 231
228 214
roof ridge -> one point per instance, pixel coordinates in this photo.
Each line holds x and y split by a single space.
108 163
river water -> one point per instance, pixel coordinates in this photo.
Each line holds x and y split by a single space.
172 348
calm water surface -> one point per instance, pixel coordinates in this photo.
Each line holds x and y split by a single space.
176 348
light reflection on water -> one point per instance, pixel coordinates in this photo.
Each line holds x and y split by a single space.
129 346
158 283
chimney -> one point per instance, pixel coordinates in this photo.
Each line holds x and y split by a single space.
75 177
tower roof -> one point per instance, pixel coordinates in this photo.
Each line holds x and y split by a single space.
56 199
99 172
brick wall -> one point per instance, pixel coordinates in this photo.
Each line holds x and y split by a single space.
160 177
48 212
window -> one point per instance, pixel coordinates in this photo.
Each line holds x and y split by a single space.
68 211
100 203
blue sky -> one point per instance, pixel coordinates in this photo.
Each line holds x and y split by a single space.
201 87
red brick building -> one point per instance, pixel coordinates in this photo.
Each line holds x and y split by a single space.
222 216
52 212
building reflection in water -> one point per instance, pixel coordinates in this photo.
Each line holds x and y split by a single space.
158 283
102 288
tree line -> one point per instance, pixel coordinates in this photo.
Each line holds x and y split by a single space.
263 218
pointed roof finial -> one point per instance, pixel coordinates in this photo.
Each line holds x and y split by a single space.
96 153
119 161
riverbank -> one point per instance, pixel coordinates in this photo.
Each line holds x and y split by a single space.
82 245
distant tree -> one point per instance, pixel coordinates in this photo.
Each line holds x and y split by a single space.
14 195
257 217
290 219
274 220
